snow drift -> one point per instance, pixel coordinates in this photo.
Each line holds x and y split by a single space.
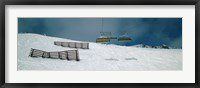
99 57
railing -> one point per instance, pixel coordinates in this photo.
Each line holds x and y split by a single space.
63 55
72 44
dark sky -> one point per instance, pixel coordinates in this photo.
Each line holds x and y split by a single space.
150 31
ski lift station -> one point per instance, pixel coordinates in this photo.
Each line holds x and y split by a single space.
107 36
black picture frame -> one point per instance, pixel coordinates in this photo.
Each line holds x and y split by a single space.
98 2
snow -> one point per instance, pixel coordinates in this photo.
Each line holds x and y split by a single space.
99 57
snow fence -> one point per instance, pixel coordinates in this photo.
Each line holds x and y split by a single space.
72 44
63 55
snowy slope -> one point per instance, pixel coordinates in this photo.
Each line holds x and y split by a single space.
99 57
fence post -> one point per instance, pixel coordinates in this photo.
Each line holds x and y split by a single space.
82 45
31 53
67 44
43 54
77 57
59 55
49 54
75 45
61 43
87 45
67 55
